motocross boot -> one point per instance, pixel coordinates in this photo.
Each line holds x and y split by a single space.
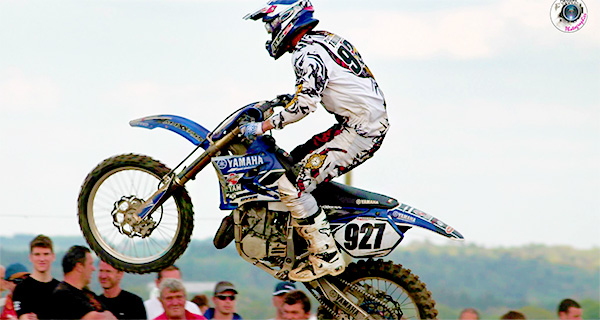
324 257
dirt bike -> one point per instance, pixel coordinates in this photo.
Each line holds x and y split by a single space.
136 214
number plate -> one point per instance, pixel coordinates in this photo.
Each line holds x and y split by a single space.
367 237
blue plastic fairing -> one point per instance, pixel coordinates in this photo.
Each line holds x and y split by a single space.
409 216
187 128
249 177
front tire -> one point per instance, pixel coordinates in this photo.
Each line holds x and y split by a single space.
393 292
109 196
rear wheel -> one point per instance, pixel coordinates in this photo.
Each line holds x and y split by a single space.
107 203
385 291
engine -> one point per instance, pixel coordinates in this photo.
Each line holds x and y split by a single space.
264 233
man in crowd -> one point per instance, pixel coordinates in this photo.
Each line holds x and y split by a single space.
569 309
71 298
173 300
278 295
2 285
224 302
513 315
15 274
123 304
32 297
154 307
296 306
469 314
201 300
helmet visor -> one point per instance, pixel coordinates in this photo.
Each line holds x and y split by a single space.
263 11
272 25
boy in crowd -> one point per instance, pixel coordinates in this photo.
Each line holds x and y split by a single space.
32 297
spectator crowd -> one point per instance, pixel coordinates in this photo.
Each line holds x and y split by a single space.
37 295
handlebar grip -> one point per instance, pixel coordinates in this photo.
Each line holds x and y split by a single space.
264 107
282 100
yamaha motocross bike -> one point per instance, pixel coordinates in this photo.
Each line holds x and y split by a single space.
136 214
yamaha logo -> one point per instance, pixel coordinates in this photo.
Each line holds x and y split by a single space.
221 163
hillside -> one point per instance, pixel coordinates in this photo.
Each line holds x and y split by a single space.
532 279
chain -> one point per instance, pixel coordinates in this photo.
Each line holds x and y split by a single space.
364 292
325 305
360 289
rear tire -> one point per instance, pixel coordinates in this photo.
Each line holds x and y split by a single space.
107 194
395 288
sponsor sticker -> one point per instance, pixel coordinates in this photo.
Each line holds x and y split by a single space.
239 162
233 178
315 161
364 201
403 216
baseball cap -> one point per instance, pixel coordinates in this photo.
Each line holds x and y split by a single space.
283 287
15 270
224 286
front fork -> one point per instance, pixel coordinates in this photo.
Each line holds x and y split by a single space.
188 173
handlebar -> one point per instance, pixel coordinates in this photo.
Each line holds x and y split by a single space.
254 112
266 108
281 100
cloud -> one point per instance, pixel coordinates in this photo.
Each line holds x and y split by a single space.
21 93
214 97
463 33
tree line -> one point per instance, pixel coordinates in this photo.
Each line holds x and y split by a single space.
532 279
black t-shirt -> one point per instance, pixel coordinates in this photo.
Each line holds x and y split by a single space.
125 306
34 296
69 302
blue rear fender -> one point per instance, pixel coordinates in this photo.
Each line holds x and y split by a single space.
186 128
409 216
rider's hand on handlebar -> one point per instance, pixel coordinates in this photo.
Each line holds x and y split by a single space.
252 129
282 100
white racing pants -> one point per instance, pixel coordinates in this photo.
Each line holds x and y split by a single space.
325 156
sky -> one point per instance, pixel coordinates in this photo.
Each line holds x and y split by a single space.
494 113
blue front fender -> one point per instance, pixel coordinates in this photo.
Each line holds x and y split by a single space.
186 128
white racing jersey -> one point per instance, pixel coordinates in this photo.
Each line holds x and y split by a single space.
330 70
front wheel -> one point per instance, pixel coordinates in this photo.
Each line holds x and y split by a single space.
109 197
385 291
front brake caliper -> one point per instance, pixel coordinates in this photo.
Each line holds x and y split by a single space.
127 222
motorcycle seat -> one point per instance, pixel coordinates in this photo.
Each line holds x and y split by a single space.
340 195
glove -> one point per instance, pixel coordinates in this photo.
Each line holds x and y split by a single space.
252 130
282 99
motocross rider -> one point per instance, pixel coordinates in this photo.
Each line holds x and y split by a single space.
328 70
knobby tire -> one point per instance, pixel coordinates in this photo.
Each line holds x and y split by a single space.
180 196
395 273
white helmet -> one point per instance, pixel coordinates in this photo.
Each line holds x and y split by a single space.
284 19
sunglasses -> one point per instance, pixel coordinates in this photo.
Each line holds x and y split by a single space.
223 297
17 281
